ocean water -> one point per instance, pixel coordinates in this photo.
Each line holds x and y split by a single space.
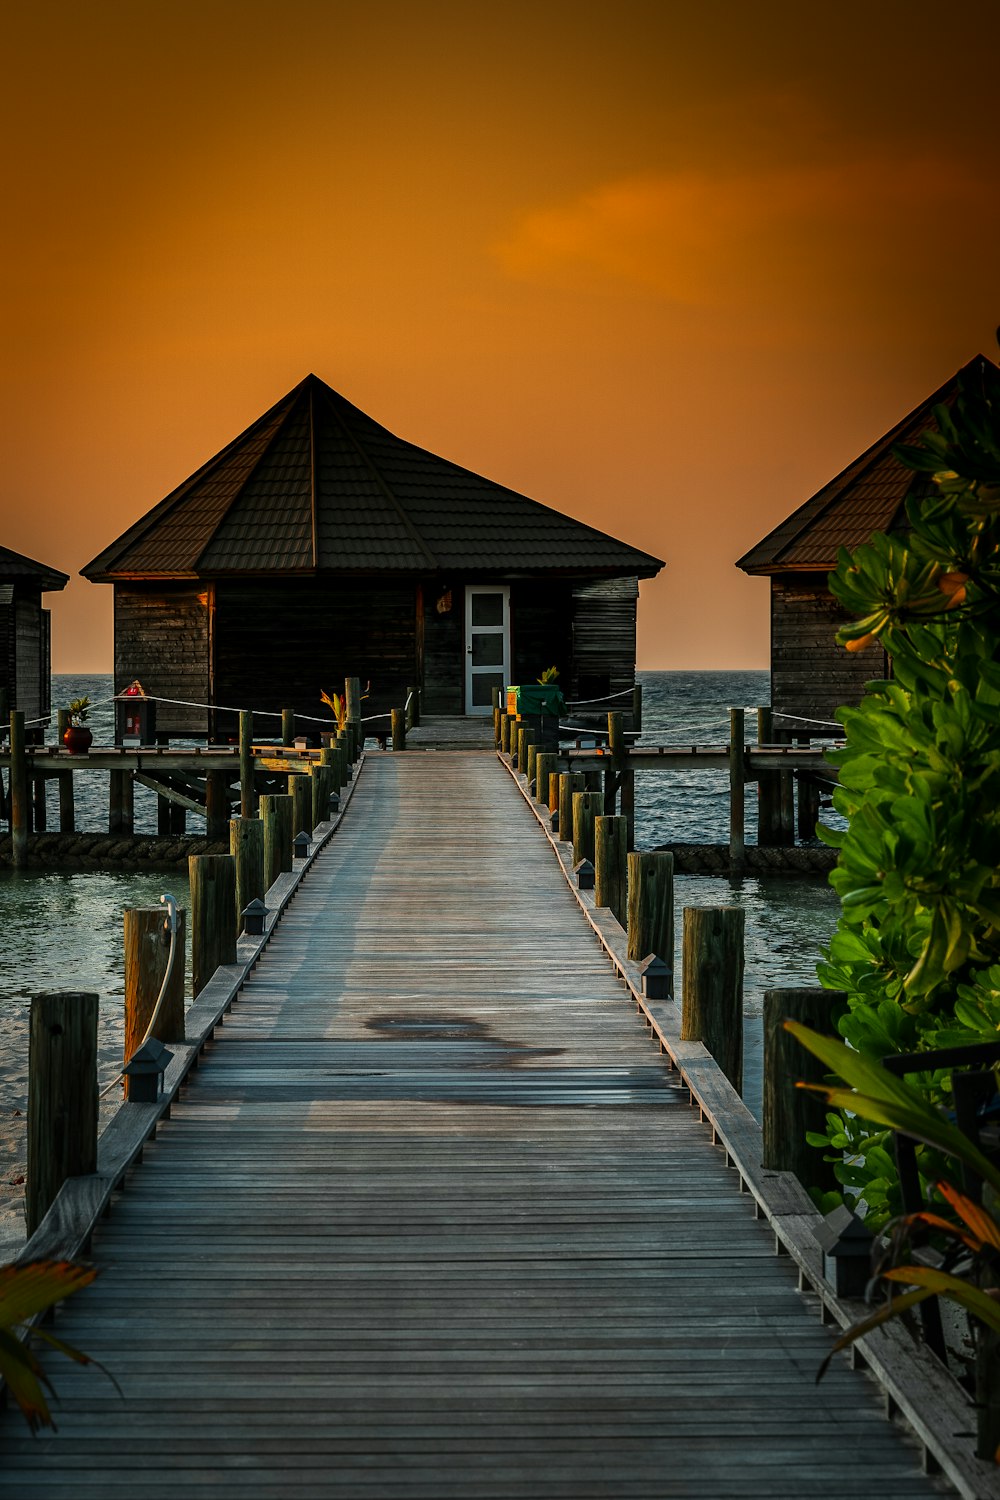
64 930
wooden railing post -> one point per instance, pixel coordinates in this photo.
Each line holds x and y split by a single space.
712 985
352 697
788 1110
587 808
505 725
569 782
546 763
216 805
737 791
147 949
808 797
398 729
20 814
532 757
651 906
62 1096
213 915
611 866
248 802
497 711
300 791
276 815
768 800
246 845
637 709
67 807
322 785
287 726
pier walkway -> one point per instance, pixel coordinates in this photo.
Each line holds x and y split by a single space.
432 1220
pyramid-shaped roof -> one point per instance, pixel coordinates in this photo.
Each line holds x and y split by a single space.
316 485
14 566
868 496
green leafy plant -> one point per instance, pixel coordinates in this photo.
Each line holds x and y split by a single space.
79 710
917 947
549 675
26 1291
338 702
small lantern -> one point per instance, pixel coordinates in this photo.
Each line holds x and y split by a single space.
145 1071
253 918
584 872
334 804
135 716
847 1246
657 979
301 843
555 820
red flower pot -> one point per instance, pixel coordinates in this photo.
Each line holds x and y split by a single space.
78 739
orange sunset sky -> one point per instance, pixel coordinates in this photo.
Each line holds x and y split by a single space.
666 267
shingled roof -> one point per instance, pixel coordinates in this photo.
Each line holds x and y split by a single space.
14 566
316 485
868 496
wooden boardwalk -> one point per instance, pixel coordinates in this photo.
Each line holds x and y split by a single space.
432 1220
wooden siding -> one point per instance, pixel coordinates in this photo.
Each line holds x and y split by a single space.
444 649
603 637
279 643
541 614
8 673
162 638
28 657
810 674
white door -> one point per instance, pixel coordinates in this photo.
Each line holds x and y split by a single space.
487 644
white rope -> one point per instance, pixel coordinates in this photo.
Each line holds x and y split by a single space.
170 902
801 719
578 702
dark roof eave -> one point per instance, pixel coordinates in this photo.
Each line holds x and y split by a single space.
522 570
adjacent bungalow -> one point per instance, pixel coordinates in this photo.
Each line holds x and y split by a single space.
318 545
25 635
811 675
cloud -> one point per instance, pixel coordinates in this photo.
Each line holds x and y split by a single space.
769 239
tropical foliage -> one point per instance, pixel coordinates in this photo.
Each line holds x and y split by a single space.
25 1292
917 947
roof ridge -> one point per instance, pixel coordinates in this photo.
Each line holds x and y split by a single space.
376 473
852 472
138 530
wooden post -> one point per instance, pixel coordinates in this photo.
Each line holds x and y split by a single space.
413 697
525 737
611 866
398 729
67 808
164 821
19 810
248 802
116 802
300 791
651 906
569 782
789 1111
344 743
497 711
546 763
768 801
38 800
287 726
352 697
505 727
554 793
587 808
340 768
147 948
246 845
213 915
808 797
637 712
178 818
786 782
737 791
532 757
322 783
216 805
276 815
712 985
62 1095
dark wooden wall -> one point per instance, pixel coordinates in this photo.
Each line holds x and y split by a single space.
603 637
25 661
810 674
541 629
443 664
162 634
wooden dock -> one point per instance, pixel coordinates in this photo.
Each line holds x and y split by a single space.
433 1219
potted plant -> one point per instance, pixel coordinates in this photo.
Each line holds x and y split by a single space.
78 738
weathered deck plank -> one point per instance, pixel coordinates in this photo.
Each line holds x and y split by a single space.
434 1220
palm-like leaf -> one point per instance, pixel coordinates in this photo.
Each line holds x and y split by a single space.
26 1291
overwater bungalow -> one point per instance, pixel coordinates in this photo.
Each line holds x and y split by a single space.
810 674
318 545
25 635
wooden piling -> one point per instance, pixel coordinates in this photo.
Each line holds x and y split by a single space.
62 1095
120 802
147 949
276 816
497 711
352 697
20 814
40 818
611 866
287 727
569 782
786 797
712 984
651 906
807 797
790 1111
529 769
768 792
322 786
398 729
507 722
213 915
300 791
587 808
546 765
246 845
554 790
67 806
216 805
248 802
737 791
637 707
525 737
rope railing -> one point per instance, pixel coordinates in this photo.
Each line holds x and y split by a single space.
170 902
611 698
